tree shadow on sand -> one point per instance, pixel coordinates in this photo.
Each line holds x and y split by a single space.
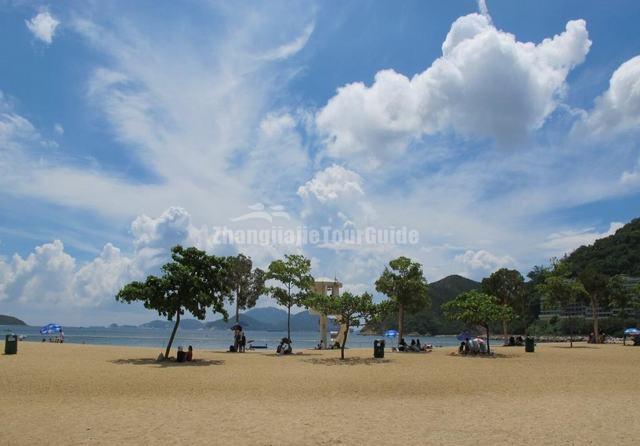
568 347
169 363
491 356
347 361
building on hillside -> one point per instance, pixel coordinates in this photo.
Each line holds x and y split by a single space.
585 311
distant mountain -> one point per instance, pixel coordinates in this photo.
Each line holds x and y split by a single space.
10 320
431 320
270 319
188 324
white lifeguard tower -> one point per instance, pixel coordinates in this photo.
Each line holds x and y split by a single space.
328 287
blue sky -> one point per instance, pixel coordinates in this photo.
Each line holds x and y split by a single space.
503 133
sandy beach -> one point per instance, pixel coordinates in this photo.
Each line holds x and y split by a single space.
81 394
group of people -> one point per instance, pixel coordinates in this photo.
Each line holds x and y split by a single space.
513 342
183 356
414 346
600 338
284 348
333 345
239 340
475 346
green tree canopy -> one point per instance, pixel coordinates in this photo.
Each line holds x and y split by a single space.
349 308
192 282
559 289
595 284
623 295
404 283
477 308
508 286
296 282
247 283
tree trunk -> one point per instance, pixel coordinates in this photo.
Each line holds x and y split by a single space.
400 322
505 330
237 309
488 345
289 322
344 341
571 333
173 335
594 311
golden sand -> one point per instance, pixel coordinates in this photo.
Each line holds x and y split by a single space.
78 394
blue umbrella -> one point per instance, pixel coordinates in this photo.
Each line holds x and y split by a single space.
632 332
391 333
464 336
50 329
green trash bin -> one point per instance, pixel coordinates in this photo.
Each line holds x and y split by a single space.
529 345
378 348
11 344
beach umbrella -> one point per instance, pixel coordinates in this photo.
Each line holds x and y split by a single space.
464 335
391 333
50 329
632 332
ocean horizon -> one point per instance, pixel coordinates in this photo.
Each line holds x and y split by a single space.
208 339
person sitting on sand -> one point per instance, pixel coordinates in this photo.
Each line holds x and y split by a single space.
190 353
418 345
519 341
320 345
402 345
285 347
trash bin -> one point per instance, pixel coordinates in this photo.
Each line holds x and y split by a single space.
529 345
378 348
11 344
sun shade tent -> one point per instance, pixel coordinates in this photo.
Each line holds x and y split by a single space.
50 329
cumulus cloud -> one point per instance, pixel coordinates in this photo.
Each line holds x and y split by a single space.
618 109
51 275
564 242
486 84
331 184
484 261
43 26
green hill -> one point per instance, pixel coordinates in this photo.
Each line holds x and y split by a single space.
10 320
617 254
431 320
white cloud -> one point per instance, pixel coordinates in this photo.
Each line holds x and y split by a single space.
290 48
565 242
618 109
485 85
43 26
58 129
631 178
484 260
331 184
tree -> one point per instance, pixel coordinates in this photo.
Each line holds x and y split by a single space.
348 307
247 284
297 283
560 290
403 282
508 286
477 308
193 282
595 284
622 295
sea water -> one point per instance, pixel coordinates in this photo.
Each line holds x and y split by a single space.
204 339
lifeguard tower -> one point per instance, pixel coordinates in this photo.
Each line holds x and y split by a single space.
328 287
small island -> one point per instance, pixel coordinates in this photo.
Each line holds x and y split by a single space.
10 320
